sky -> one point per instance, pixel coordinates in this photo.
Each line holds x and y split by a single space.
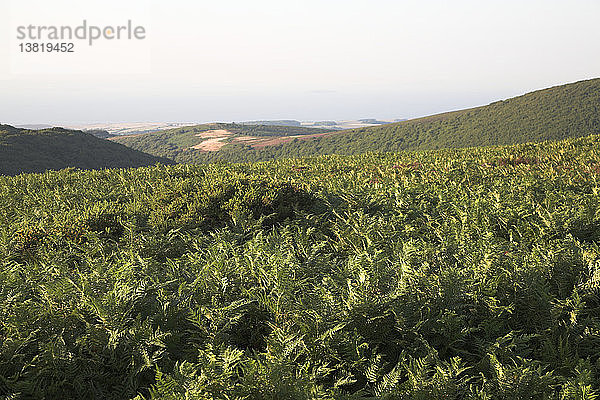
235 60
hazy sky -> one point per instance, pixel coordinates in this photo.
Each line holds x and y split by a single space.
232 60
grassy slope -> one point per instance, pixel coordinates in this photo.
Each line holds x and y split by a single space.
25 151
175 143
446 274
556 113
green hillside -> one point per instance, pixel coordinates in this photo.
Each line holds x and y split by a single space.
24 151
177 144
449 274
557 113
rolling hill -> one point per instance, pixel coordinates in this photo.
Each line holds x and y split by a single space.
209 142
556 113
26 151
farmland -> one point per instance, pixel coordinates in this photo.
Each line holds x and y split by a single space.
202 143
457 273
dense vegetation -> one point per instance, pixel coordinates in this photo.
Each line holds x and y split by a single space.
447 274
23 151
552 114
101 133
176 143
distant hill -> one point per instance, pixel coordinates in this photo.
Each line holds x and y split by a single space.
208 142
556 113
24 151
